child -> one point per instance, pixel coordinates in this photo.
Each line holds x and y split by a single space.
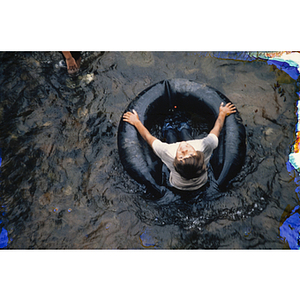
186 160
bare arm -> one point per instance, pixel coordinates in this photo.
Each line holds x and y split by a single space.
224 111
133 119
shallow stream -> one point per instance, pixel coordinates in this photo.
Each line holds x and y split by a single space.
63 185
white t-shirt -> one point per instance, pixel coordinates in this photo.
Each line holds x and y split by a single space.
167 153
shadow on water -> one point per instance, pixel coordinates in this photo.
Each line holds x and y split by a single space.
62 182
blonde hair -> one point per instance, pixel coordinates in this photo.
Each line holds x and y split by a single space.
191 167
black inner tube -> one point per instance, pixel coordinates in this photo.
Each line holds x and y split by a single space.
201 103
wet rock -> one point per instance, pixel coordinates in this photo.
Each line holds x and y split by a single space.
142 59
45 199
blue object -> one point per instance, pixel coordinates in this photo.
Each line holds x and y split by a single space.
146 239
3 238
290 229
289 167
290 69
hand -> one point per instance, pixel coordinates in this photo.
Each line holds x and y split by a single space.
228 109
131 118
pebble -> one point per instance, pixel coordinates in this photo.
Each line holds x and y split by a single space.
269 131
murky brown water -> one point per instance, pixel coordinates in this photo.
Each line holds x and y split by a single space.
63 185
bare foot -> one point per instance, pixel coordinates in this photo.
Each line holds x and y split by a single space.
72 65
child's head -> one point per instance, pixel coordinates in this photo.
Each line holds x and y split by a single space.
188 162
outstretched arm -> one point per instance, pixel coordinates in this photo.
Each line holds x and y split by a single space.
133 119
224 111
